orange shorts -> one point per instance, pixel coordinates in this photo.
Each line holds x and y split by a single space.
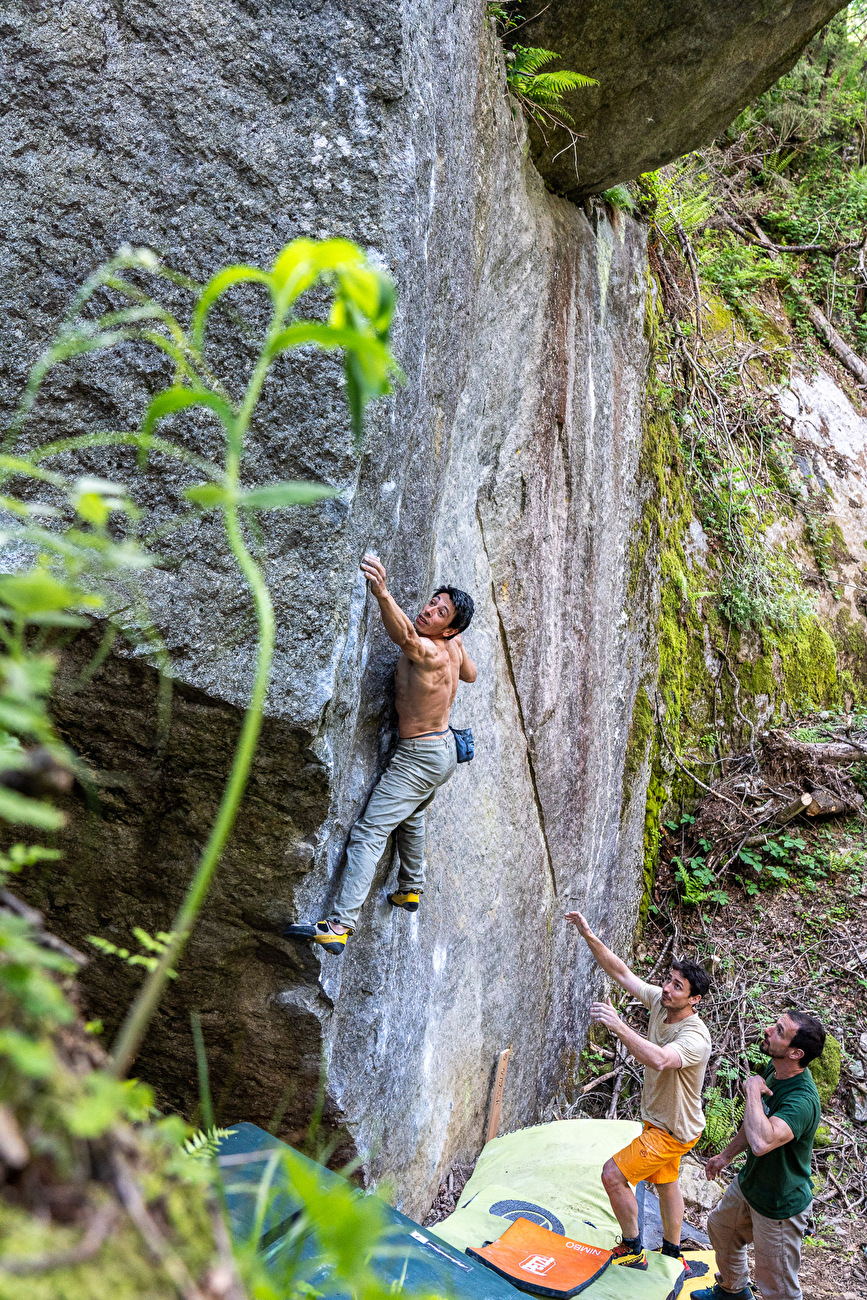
653 1156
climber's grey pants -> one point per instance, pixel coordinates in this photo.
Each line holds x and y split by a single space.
777 1244
419 767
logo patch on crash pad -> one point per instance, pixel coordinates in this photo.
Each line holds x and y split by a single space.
535 1259
527 1210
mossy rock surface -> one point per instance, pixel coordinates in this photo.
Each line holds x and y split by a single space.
123 1268
826 1070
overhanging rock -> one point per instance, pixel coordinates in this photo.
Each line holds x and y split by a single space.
671 77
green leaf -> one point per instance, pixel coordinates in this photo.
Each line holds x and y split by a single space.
273 496
30 1056
37 591
95 498
17 808
101 1104
560 82
179 398
296 269
208 495
51 618
216 287
335 336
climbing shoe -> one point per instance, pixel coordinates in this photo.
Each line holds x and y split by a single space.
409 902
629 1256
716 1292
319 933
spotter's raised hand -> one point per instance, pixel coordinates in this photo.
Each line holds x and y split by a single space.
580 922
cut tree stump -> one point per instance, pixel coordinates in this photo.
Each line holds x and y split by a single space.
825 803
791 810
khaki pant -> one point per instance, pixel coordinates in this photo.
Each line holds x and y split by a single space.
777 1245
417 770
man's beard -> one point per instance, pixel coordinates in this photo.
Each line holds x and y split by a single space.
766 1048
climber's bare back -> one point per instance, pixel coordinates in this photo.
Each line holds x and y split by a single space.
425 692
433 659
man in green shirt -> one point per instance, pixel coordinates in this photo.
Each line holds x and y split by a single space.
769 1202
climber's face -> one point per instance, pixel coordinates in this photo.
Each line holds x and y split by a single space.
436 617
676 992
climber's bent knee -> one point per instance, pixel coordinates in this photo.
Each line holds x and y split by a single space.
612 1177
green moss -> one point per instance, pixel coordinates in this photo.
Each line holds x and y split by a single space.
637 743
826 1069
809 666
756 677
122 1269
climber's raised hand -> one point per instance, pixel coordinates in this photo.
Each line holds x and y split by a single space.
374 572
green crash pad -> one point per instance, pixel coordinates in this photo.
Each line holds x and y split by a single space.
415 1262
551 1174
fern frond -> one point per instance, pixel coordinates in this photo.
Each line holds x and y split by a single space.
723 1116
543 88
562 81
204 1145
619 197
529 59
540 94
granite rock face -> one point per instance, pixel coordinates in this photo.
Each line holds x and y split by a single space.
507 464
671 77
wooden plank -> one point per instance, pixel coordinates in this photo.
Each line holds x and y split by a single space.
497 1099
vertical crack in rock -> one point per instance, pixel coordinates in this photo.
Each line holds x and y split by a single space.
504 643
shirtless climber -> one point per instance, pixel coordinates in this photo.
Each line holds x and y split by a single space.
432 662
674 1054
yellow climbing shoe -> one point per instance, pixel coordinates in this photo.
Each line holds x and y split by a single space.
623 1254
409 902
320 933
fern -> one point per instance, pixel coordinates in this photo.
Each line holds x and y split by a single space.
723 1117
682 196
204 1144
529 59
542 92
619 197
156 945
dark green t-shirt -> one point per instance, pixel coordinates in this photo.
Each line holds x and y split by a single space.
779 1184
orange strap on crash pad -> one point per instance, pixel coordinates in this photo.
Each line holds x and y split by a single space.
534 1259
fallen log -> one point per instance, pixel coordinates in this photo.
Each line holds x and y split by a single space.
821 751
791 810
825 803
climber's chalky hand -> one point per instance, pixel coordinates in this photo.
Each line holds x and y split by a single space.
374 572
603 1013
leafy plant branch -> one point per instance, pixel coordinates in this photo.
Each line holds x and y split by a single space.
92 558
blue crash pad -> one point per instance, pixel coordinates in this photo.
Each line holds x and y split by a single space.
416 1257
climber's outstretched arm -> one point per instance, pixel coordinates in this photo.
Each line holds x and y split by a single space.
609 961
398 625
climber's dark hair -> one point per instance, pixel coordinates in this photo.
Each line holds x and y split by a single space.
464 607
809 1036
696 976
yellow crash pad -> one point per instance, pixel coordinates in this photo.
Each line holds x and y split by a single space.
706 1257
551 1175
